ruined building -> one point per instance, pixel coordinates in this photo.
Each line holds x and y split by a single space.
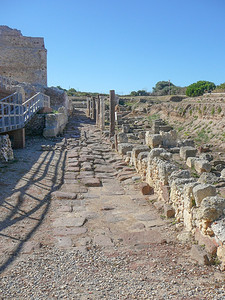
22 58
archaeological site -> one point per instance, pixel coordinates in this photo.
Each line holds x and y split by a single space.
107 196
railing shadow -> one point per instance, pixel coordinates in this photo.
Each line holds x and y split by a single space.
16 212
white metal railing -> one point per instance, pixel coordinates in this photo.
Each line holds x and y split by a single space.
14 114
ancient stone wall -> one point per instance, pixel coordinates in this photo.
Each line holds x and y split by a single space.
22 58
6 152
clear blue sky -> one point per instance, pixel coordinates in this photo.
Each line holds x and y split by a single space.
99 45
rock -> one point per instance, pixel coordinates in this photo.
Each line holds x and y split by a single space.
202 166
200 255
91 182
125 128
64 195
208 178
122 138
206 156
187 142
187 151
153 140
146 189
204 240
169 211
212 208
202 191
156 153
190 162
179 174
169 139
123 148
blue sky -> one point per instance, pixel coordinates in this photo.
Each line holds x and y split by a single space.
126 45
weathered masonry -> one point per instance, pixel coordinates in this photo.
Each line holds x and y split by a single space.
22 58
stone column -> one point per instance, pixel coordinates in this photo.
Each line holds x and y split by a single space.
98 111
88 107
102 113
112 100
93 109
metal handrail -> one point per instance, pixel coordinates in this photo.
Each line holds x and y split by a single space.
14 114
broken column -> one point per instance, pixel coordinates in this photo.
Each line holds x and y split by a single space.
88 107
98 112
102 113
93 109
112 104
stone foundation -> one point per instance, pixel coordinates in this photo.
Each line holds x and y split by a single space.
6 152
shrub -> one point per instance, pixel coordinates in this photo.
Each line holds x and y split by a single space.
199 88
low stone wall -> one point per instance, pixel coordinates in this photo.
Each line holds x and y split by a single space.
195 205
6 152
55 123
36 125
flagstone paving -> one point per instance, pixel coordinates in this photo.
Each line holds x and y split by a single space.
78 227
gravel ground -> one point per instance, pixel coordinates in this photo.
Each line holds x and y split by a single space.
101 274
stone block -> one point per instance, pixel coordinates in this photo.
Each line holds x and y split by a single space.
169 211
212 208
153 140
190 162
146 189
202 166
206 241
169 139
122 138
202 191
187 151
123 148
222 173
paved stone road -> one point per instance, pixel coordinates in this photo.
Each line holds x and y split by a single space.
84 231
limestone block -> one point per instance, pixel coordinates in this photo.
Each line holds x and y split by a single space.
221 256
208 178
187 142
202 191
187 151
169 139
212 208
202 166
188 220
153 140
122 138
136 150
169 211
155 153
179 174
222 173
123 148
191 162
188 195
218 228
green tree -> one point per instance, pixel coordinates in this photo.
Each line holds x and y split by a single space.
199 88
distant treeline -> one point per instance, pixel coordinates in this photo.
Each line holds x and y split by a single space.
162 88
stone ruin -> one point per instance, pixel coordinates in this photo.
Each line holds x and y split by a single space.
22 58
23 69
188 191
6 152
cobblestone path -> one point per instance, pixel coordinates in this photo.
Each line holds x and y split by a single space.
78 227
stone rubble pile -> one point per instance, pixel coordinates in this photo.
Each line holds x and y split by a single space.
6 152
